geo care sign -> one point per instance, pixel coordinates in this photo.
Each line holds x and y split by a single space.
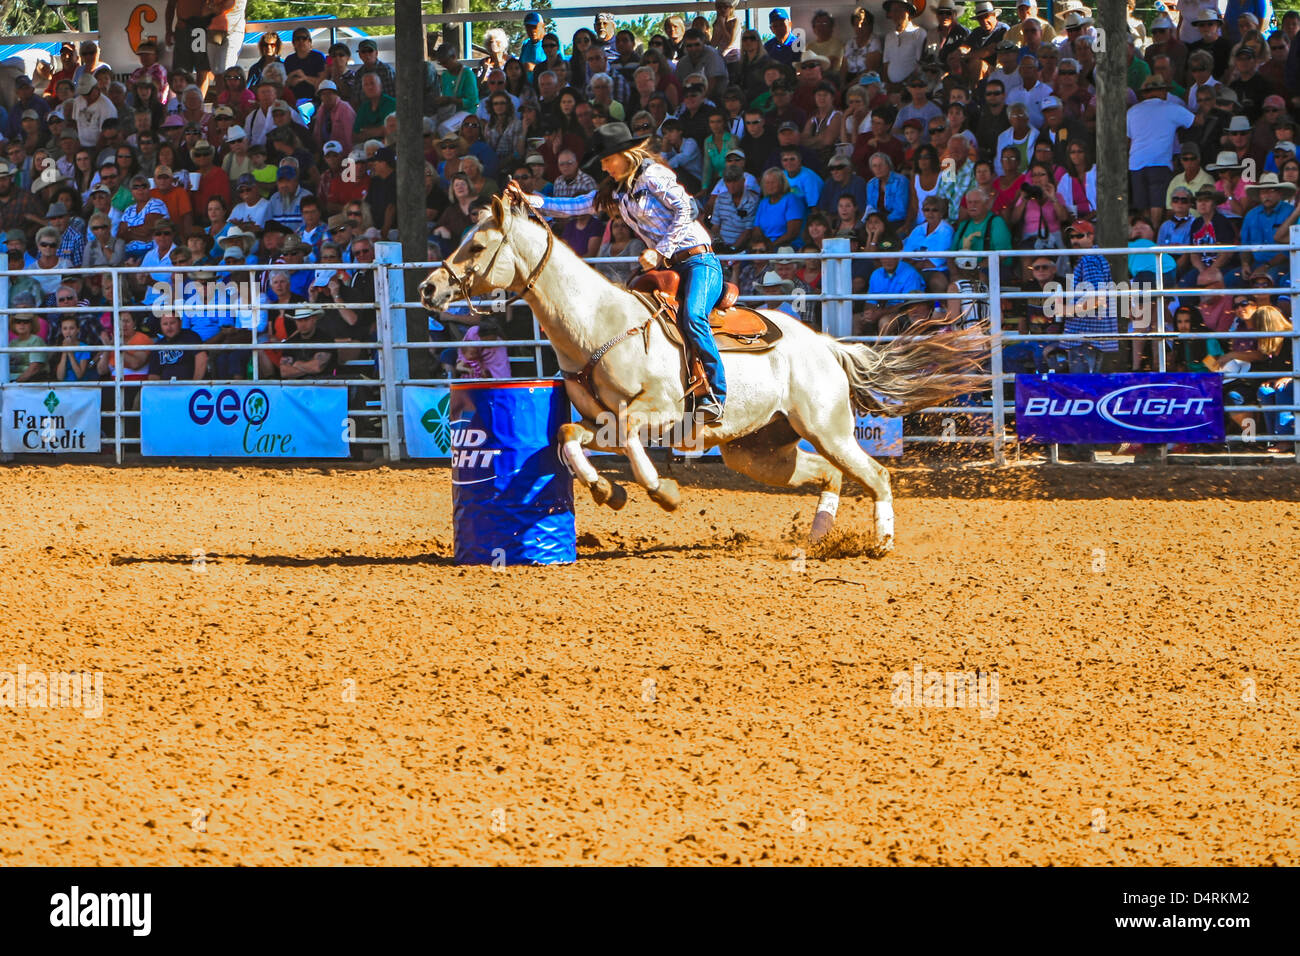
1103 409
44 420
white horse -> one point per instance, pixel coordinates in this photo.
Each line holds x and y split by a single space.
806 386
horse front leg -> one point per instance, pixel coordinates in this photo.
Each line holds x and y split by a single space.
573 437
663 491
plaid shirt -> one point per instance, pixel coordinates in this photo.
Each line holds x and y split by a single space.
582 183
1095 271
386 76
73 244
656 207
954 184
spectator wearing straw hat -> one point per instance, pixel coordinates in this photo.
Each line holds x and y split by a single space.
1210 38
311 327
1260 224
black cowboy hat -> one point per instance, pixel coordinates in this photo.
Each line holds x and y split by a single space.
610 139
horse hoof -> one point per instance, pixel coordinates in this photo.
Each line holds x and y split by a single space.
882 547
668 496
605 492
821 526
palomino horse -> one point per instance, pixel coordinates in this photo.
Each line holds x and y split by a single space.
806 386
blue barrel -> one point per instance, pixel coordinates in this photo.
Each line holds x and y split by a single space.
512 499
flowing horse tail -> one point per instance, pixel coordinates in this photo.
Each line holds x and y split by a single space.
922 367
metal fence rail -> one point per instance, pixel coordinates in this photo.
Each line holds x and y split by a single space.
383 368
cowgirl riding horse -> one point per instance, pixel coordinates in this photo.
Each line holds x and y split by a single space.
657 208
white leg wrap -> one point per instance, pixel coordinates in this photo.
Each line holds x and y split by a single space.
579 463
884 519
824 519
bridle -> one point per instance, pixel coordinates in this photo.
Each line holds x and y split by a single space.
466 279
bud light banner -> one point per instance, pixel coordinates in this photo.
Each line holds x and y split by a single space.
245 421
1105 409
426 421
53 421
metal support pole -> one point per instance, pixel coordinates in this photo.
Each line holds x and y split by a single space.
995 359
117 364
837 279
394 363
4 301
1161 357
1295 347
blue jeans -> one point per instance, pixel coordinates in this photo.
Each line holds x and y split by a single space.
701 289
1278 423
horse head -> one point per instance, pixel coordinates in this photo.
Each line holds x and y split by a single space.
484 261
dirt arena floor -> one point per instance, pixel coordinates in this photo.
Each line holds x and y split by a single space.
326 687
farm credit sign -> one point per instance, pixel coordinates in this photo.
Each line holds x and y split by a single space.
245 421
46 420
1105 409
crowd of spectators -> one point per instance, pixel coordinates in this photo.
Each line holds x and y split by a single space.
898 137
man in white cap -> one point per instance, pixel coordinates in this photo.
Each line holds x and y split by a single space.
334 120
89 110
1165 41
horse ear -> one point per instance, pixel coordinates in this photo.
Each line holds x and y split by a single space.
499 210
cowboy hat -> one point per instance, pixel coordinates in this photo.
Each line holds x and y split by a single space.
610 139
914 7
1270 181
1225 160
771 281
235 234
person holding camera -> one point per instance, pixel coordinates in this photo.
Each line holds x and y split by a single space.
1038 212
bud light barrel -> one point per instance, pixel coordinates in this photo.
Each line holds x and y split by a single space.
512 499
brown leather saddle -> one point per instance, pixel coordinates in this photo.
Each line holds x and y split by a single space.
736 328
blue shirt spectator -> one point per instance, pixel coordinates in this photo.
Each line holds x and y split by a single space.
773 218
903 280
804 182
897 194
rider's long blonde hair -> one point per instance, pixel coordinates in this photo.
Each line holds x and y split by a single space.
636 158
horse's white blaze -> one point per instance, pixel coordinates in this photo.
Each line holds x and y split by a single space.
884 519
578 462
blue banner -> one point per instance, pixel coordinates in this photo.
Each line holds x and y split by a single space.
245 421
1108 409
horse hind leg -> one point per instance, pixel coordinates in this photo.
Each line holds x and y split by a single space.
573 436
789 466
844 452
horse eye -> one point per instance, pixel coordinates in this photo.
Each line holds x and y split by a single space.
477 247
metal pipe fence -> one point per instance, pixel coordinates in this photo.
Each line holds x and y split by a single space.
377 367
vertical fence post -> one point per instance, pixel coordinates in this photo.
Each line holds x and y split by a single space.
1295 346
394 364
4 356
4 300
837 279
1159 359
118 430
995 358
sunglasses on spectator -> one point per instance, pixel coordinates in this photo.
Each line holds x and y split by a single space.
1181 199
1242 303
1068 72
66 298
102 225
48 245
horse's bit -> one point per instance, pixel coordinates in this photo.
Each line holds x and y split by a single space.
466 280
